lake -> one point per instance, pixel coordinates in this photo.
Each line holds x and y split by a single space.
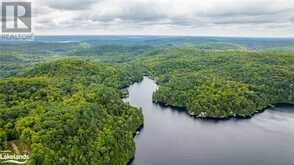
171 137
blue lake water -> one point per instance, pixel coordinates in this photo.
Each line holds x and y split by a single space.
171 137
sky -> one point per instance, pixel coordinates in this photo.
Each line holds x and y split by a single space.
250 18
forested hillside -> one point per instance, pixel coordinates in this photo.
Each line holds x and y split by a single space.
222 84
61 101
69 112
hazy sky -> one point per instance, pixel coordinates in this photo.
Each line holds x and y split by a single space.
165 17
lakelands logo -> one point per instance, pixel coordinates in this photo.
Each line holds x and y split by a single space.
9 157
16 20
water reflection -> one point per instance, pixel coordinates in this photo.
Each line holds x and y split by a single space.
171 137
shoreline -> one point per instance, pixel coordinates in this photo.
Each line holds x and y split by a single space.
237 117
196 117
139 129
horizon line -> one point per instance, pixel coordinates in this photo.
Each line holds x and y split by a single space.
162 35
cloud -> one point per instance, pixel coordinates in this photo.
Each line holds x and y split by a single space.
129 11
248 7
69 4
190 17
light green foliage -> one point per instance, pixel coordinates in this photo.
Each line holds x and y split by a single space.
3 139
65 108
222 84
69 112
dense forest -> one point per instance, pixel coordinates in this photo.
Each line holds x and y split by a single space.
69 112
61 102
222 84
